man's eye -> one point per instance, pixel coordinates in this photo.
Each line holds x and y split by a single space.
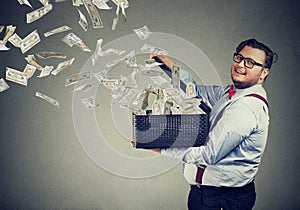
250 62
238 57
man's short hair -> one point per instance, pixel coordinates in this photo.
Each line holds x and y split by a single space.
271 57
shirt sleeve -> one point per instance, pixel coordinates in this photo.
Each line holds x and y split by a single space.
236 124
209 94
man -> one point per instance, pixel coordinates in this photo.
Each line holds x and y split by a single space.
221 172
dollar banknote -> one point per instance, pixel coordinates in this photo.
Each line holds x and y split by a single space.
176 76
97 51
100 76
111 51
93 13
110 83
77 3
45 71
143 32
3 85
82 46
84 88
63 65
114 23
16 76
44 2
90 102
71 39
32 60
101 4
46 55
121 4
10 30
47 98
29 70
30 41
146 48
15 40
3 46
57 30
1 28
26 2
37 14
82 21
190 90
71 80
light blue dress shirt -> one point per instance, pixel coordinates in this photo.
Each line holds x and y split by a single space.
237 137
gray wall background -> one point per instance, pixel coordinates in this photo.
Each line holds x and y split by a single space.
42 165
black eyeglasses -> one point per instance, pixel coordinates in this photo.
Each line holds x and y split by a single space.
248 62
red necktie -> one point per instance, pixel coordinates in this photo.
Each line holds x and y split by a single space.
231 91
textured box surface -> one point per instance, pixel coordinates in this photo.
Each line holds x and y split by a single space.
170 131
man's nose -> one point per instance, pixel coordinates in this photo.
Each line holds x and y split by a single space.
241 64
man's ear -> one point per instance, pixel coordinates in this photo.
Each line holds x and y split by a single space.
264 74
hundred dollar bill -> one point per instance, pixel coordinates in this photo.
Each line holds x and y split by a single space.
29 70
46 71
158 80
97 51
3 85
1 28
110 83
190 90
47 98
57 30
31 60
15 40
10 30
71 39
46 55
143 32
100 76
30 41
84 88
90 102
44 2
129 59
101 4
63 65
77 3
3 47
94 14
82 21
16 76
176 76
71 80
82 46
114 23
37 14
146 48
111 51
123 4
25 2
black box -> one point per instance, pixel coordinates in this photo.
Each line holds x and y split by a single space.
170 131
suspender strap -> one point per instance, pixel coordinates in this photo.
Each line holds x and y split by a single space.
259 97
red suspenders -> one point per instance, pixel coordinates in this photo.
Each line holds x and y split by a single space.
259 97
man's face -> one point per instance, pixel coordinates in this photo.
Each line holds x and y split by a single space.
243 76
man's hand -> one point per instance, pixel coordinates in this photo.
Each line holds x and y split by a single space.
166 60
153 150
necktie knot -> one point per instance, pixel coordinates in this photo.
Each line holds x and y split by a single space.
231 91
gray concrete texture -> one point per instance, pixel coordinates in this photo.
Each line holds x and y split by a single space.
42 163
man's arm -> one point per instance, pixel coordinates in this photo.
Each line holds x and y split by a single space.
236 124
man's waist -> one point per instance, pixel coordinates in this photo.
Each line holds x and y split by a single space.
214 175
